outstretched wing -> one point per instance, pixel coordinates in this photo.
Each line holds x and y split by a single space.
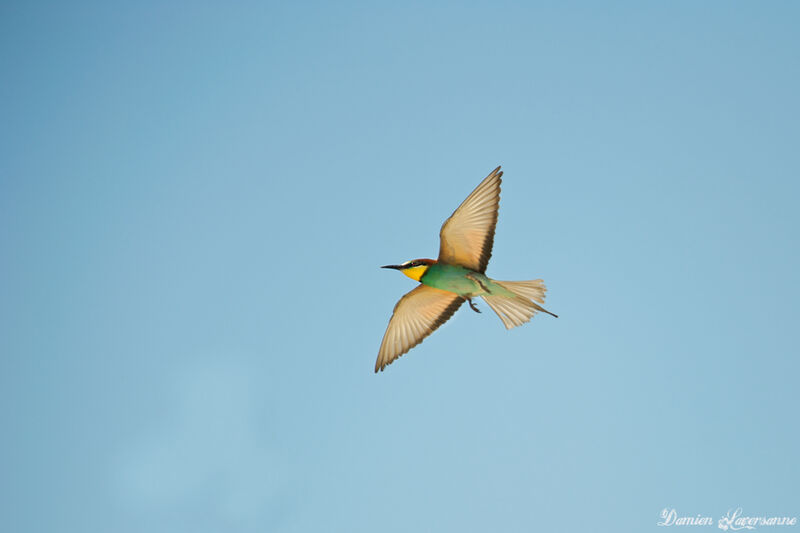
416 316
466 237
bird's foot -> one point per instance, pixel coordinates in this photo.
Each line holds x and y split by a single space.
472 305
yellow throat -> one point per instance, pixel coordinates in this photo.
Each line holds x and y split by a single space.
416 272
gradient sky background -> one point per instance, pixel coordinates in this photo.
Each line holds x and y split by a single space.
195 200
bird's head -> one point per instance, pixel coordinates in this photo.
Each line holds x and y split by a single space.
414 269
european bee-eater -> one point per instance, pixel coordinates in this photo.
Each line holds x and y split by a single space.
465 247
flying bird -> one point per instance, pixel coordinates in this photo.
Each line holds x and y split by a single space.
458 276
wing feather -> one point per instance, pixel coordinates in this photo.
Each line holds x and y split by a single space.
466 238
418 314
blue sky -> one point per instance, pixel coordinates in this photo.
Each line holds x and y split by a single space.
195 200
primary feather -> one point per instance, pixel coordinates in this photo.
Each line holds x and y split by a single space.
466 238
418 314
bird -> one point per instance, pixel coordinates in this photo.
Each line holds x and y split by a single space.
458 276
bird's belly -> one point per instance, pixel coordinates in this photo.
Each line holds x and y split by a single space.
459 280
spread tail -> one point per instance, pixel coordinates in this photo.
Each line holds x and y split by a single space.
521 308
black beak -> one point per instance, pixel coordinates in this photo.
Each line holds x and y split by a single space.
396 267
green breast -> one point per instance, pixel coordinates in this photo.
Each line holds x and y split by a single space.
452 278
